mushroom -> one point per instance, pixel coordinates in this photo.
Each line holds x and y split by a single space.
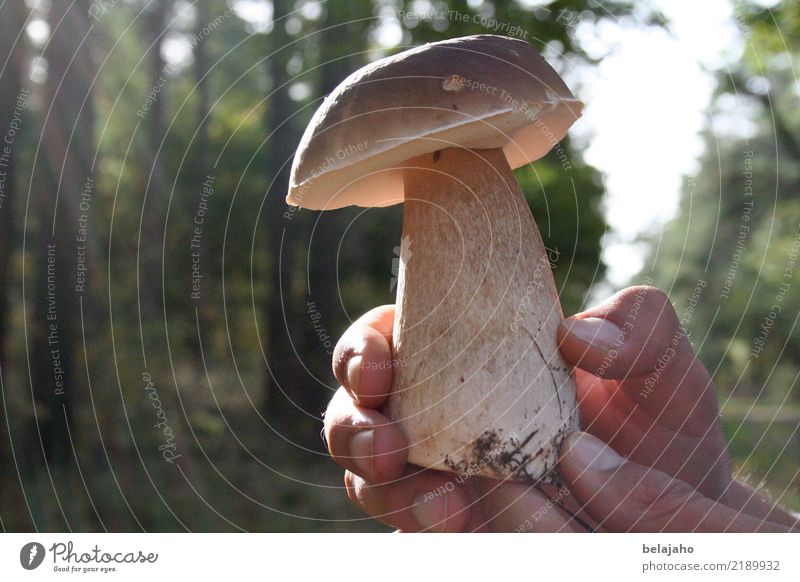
479 385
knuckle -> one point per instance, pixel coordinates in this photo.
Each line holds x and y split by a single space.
659 500
655 296
342 353
646 299
351 486
337 434
365 496
333 435
333 411
658 302
654 322
340 420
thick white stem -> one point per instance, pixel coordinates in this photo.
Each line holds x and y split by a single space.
479 386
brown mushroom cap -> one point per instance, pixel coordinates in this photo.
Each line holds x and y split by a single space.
482 91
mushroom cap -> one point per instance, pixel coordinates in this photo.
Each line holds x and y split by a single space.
476 92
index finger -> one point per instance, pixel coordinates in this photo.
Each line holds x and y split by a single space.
637 339
363 359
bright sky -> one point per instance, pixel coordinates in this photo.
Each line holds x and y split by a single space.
647 103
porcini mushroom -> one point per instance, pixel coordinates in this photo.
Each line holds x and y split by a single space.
479 385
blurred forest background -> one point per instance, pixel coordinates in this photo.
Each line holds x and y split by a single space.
166 327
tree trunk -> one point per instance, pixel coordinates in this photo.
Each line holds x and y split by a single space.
13 103
285 378
204 174
326 228
152 238
13 114
61 176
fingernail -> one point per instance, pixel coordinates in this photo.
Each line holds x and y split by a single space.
596 332
592 454
354 373
430 512
362 450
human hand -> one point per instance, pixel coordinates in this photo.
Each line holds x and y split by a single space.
641 389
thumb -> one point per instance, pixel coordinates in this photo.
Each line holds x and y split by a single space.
625 496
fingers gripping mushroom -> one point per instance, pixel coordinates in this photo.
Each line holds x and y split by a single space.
479 385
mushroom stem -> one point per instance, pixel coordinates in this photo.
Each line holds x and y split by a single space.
479 385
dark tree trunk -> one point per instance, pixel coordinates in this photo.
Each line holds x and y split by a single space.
284 376
13 105
204 174
337 61
299 365
61 177
13 114
201 68
152 237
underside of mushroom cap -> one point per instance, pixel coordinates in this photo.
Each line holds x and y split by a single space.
476 92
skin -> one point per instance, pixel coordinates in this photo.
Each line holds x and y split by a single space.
651 457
